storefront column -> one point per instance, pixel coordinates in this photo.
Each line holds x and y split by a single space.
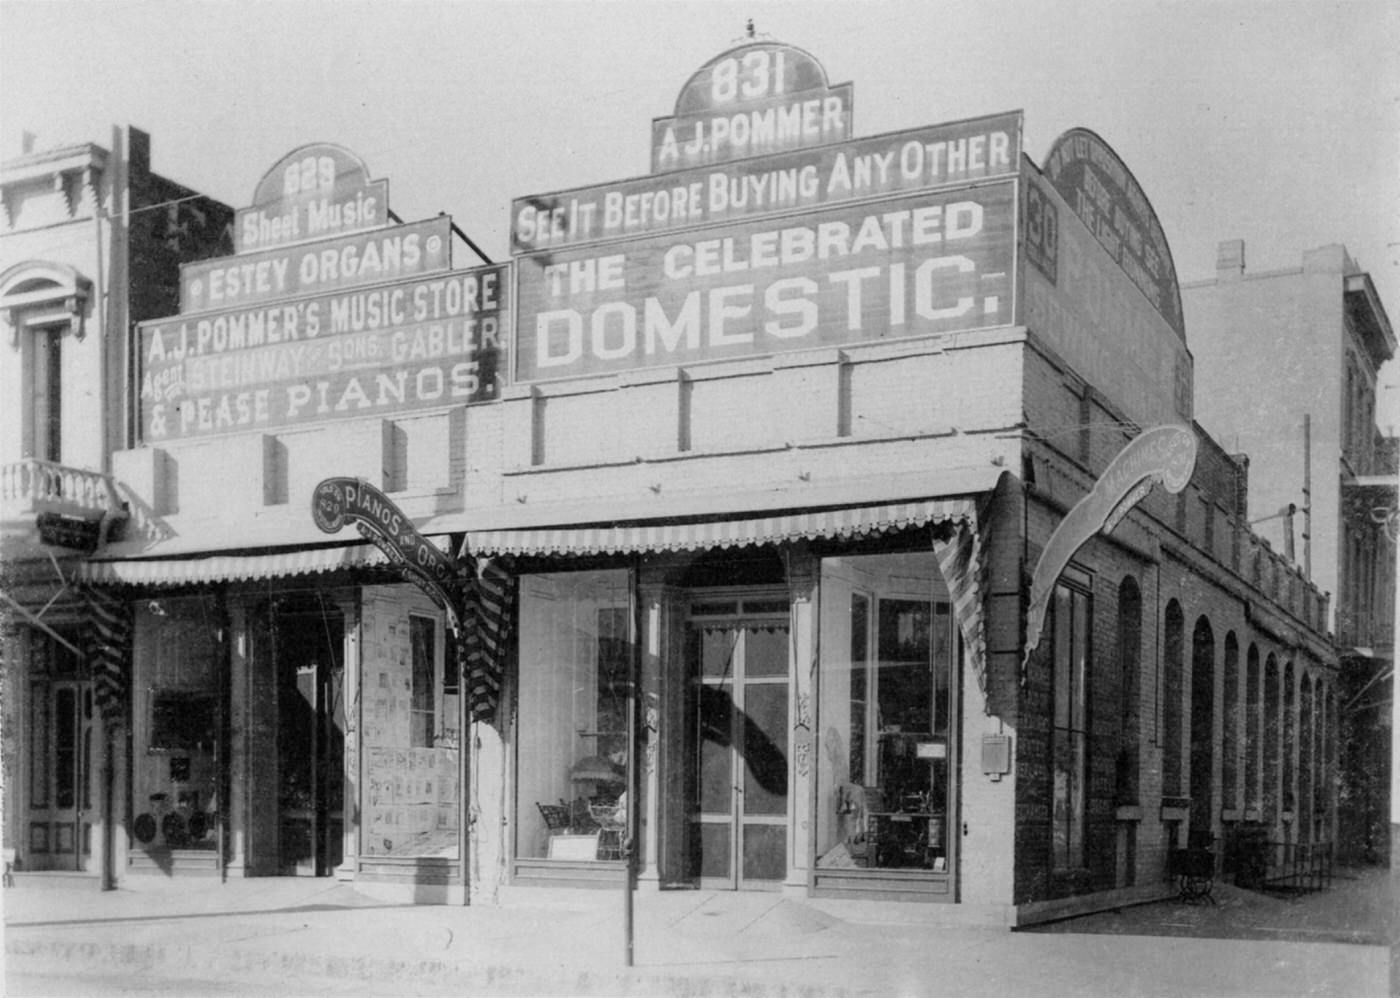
802 588
350 686
664 814
653 630
235 809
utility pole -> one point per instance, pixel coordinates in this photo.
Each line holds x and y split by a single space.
1395 780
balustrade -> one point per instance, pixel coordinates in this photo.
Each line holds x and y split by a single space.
39 486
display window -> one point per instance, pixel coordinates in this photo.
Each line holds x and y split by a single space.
177 701
411 729
887 700
571 748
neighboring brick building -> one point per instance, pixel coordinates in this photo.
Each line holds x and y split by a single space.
1310 341
847 446
90 242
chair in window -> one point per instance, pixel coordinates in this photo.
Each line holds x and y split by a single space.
611 817
556 817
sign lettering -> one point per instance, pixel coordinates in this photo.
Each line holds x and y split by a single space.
314 192
351 261
338 502
937 263
1106 196
759 98
879 166
433 341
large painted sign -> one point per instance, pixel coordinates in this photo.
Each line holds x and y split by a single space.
349 261
1091 314
935 263
432 341
759 98
313 192
1106 196
880 166
1165 454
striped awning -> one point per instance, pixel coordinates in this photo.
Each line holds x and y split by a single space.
229 567
730 533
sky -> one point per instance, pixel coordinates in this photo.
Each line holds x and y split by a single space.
1275 122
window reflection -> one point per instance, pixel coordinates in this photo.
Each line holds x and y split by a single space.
886 704
575 669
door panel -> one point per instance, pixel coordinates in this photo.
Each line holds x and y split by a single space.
310 742
716 762
62 794
739 669
765 748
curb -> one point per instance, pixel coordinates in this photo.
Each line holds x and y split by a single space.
493 979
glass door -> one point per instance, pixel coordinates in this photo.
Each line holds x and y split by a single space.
738 663
310 744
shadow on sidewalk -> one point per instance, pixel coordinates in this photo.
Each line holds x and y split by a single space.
1356 909
184 916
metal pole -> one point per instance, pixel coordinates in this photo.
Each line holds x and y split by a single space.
629 839
109 811
1395 782
465 743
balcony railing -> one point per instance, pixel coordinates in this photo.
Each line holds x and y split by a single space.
33 486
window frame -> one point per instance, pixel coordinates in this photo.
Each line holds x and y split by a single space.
1071 664
433 670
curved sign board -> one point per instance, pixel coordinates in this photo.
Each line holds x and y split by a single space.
1106 196
759 98
314 192
339 502
1165 454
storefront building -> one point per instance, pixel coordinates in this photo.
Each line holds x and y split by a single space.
826 513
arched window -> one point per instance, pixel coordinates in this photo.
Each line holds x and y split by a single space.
1202 725
1130 692
1290 738
1253 747
1305 757
1173 655
43 305
1071 622
1230 728
1272 737
1327 806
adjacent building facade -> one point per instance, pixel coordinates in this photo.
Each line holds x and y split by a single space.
91 243
1323 485
828 512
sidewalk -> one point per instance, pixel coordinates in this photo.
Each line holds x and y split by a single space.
313 937
1356 909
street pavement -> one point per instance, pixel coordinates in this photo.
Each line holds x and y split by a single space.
286 936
